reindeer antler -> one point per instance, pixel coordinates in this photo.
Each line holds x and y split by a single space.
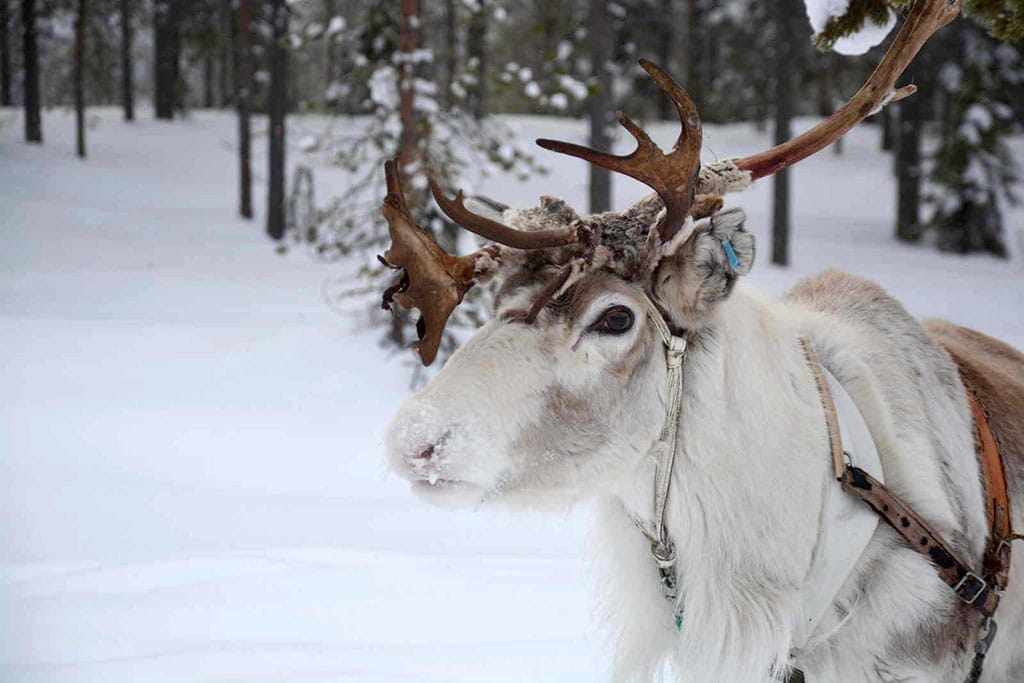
924 19
433 280
497 232
674 175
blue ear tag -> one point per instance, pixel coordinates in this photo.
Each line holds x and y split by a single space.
734 260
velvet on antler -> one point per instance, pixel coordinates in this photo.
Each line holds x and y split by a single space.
432 280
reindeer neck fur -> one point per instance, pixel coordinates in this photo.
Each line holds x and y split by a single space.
752 461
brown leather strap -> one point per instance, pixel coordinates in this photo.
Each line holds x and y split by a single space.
969 587
997 500
835 443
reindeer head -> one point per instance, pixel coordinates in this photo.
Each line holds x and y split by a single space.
564 389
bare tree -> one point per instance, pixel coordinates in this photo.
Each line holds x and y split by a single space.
5 54
127 67
242 31
277 105
600 103
80 80
30 50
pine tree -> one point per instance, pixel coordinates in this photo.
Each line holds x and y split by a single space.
974 171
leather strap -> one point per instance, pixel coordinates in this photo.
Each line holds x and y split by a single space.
969 587
996 561
835 443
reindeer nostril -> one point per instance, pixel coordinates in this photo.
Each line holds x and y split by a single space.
425 454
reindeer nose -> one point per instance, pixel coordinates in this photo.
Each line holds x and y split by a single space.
425 454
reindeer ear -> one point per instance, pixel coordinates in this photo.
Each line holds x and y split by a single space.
703 269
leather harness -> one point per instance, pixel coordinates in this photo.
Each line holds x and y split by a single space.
980 589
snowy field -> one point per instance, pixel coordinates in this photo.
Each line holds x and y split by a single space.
191 478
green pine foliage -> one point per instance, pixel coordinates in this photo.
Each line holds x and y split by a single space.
858 13
1003 18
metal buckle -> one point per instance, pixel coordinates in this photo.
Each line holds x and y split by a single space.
969 588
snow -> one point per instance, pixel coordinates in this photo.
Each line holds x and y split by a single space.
820 11
384 88
191 477
337 25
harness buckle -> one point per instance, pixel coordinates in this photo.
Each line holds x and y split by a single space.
969 588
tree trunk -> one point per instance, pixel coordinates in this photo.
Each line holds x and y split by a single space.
80 80
888 129
208 77
408 38
127 65
165 46
242 33
33 120
476 52
665 31
908 168
600 104
450 49
5 54
276 108
224 48
330 55
695 80
784 105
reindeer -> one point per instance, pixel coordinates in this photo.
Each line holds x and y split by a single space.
731 441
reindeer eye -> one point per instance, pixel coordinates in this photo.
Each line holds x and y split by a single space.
615 320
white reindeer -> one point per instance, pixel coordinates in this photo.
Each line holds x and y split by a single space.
625 362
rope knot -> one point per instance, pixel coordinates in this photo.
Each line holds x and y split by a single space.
675 349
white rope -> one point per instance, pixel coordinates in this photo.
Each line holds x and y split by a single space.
665 449
722 177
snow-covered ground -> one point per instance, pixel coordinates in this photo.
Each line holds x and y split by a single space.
191 478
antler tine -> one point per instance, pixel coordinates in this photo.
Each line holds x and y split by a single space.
497 232
674 175
924 19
